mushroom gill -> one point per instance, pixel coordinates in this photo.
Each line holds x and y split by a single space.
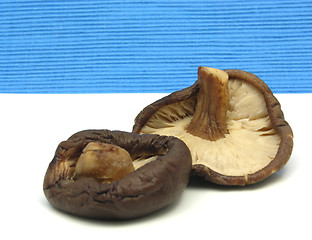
242 139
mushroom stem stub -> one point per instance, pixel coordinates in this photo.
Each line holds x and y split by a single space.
209 120
104 161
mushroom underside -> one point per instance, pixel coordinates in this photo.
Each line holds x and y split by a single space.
250 144
66 169
67 164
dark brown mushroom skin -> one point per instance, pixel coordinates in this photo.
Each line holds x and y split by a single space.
276 115
145 190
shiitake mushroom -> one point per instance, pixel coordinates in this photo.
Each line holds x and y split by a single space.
231 122
116 175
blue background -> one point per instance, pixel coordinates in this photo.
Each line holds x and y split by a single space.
151 46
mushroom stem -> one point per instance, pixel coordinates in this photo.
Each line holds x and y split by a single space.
209 120
104 161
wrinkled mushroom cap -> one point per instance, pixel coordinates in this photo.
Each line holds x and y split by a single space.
257 140
162 168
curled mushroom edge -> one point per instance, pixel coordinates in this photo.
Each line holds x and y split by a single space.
116 175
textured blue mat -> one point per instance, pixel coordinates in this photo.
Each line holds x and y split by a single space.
151 46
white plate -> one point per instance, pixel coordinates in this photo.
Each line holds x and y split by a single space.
33 125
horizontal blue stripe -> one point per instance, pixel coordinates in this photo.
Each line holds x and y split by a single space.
151 46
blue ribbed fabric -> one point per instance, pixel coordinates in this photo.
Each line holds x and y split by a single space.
151 46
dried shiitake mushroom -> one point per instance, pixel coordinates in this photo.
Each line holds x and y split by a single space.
116 175
231 122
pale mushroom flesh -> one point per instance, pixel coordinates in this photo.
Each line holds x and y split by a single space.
249 144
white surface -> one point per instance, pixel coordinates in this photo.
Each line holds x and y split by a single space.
33 125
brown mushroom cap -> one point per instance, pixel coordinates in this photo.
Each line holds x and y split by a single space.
155 183
247 138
